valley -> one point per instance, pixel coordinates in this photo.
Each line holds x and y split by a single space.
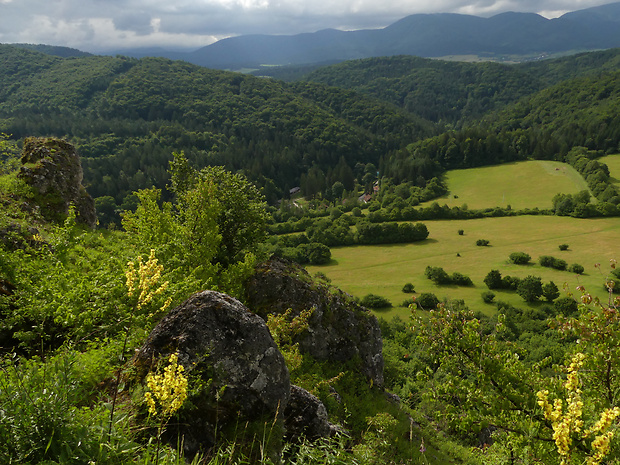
157 217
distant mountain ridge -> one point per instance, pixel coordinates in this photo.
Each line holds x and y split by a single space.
425 35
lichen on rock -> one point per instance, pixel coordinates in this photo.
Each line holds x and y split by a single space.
231 352
53 169
340 330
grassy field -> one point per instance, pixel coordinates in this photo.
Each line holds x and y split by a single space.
613 162
383 270
521 185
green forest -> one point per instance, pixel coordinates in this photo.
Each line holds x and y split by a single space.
197 177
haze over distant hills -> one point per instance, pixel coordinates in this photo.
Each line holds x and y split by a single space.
504 36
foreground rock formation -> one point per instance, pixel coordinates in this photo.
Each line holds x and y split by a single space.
340 329
52 167
231 351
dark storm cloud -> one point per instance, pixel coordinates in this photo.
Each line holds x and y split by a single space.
99 24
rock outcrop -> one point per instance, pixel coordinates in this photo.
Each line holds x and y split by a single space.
52 167
340 330
243 373
305 416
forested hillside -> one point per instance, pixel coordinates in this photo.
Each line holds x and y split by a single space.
410 118
128 116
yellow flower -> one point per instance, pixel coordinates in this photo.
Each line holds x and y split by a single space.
146 280
167 391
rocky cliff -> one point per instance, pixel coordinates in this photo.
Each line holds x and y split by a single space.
52 168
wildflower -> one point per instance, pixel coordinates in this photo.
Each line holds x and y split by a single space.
567 423
146 280
167 391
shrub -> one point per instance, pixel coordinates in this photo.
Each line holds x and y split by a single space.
488 296
407 302
559 264
318 254
461 232
493 279
530 288
461 280
375 301
322 276
565 306
576 268
437 274
482 242
510 282
552 262
520 258
408 288
550 291
427 301
563 246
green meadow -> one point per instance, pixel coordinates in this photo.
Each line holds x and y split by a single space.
526 184
383 270
613 163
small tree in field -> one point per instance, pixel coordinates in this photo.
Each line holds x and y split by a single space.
427 301
530 288
550 291
493 279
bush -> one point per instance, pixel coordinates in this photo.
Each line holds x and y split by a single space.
520 258
559 264
407 302
530 288
576 268
563 246
550 291
461 280
322 276
510 282
482 242
552 262
318 254
565 306
438 275
375 301
488 296
427 301
408 288
461 232
493 279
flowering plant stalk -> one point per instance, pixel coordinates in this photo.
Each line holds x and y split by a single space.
568 423
145 283
166 394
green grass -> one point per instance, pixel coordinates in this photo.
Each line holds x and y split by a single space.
527 184
613 162
383 270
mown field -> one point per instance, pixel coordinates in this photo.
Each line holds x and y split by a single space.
527 184
613 162
383 270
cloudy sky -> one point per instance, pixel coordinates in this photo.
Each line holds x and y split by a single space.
100 25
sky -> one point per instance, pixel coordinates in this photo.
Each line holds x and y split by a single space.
102 25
